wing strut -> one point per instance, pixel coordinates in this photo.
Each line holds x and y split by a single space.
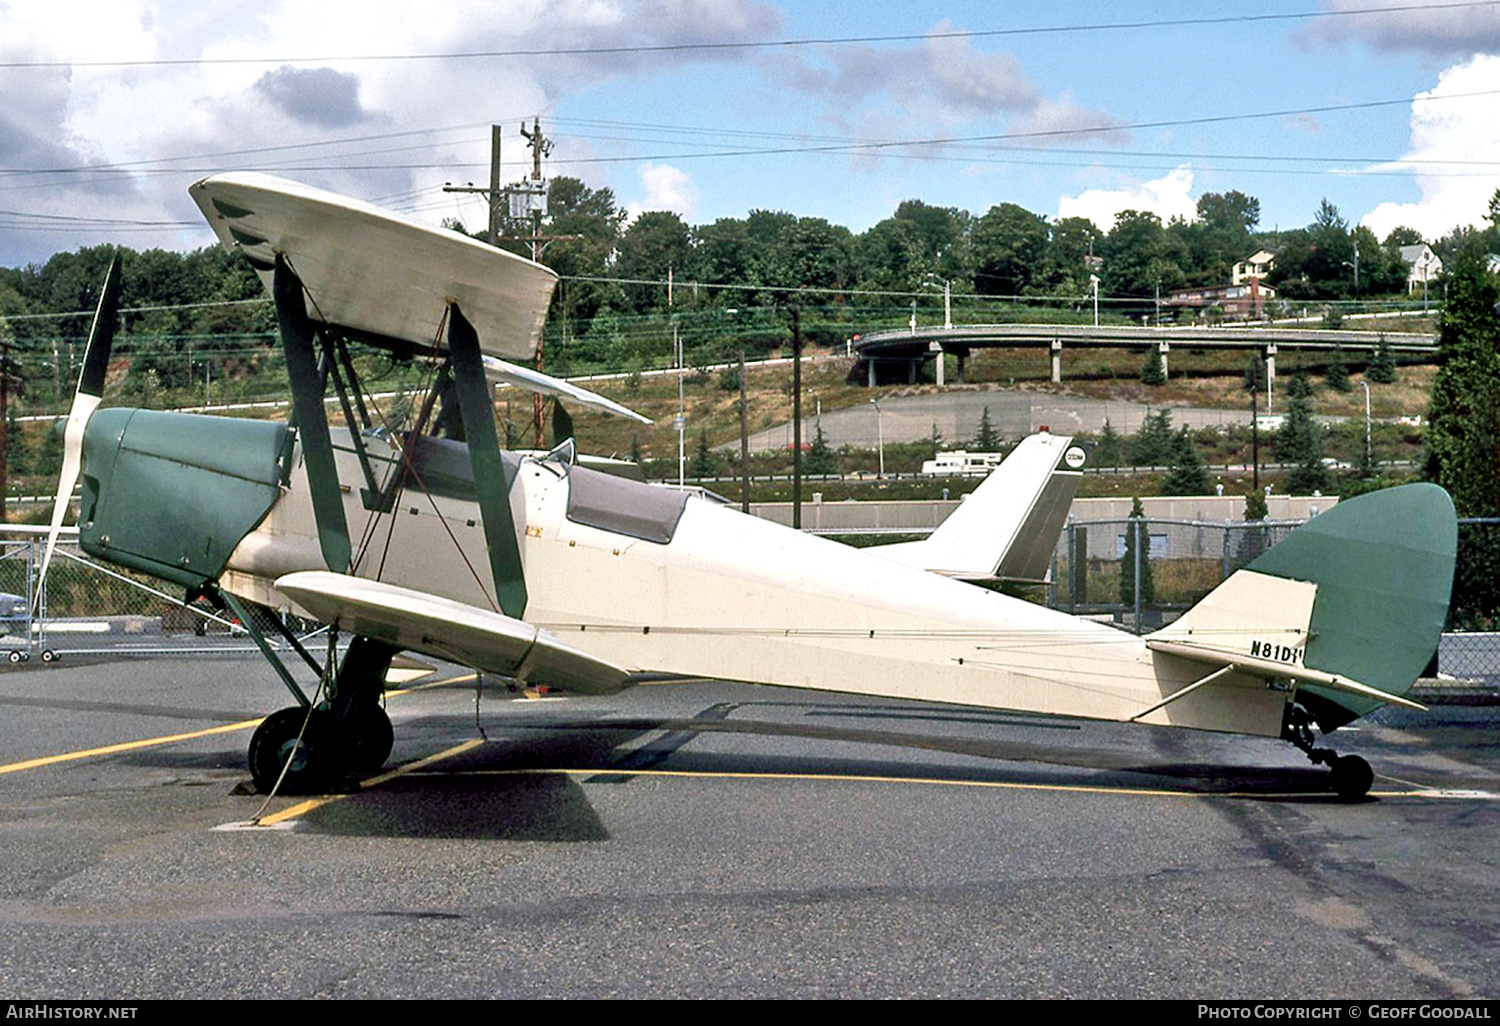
477 407
312 420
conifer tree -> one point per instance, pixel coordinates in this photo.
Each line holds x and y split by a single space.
1463 429
820 458
1152 372
1188 474
1300 441
988 439
1336 375
1255 374
705 463
1152 446
1111 449
1382 369
1137 532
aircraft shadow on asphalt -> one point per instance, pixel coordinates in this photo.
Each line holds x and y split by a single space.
514 790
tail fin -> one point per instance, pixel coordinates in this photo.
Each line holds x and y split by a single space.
1008 527
1355 598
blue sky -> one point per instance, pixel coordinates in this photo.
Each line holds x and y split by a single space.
113 108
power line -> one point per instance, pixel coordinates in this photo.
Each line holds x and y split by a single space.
763 44
835 145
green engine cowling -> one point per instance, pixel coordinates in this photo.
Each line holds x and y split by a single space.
172 494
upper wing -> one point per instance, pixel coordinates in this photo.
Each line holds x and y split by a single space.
1008 527
450 630
375 273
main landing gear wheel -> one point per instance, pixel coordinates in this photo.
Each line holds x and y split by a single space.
280 738
369 737
1350 777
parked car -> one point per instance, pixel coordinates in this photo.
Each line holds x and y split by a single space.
13 614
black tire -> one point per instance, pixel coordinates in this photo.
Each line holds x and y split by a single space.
276 740
15 655
368 737
1351 777
49 656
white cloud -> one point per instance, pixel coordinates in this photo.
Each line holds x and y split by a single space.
941 83
226 115
1443 31
1166 197
666 188
1451 138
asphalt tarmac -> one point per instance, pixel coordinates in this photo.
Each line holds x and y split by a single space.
719 840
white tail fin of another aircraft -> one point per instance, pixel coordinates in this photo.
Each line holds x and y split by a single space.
1007 528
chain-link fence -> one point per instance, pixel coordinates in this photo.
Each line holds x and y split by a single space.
85 606
1139 573
1142 573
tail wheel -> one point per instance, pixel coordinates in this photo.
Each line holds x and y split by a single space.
281 742
1350 777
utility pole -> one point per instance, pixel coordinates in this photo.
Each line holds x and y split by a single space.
744 440
797 417
494 194
540 147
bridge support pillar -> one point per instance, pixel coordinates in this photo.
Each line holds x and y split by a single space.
1270 375
870 370
1164 348
936 348
1056 361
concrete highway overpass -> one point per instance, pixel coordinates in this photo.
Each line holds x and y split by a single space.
896 357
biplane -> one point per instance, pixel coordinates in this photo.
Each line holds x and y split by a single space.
421 533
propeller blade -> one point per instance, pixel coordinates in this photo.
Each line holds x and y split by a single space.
85 401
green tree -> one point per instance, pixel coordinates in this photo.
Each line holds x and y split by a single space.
1253 541
1152 445
987 439
1188 474
1110 451
1382 368
1255 373
1137 540
820 458
657 241
705 464
1336 374
1255 505
1152 372
1010 243
1463 429
1300 441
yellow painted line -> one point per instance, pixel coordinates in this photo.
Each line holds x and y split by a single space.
172 739
303 808
126 746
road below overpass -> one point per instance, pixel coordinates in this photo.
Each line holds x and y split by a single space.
956 414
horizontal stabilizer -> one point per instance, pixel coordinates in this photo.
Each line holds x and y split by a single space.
450 630
535 381
1008 527
1272 669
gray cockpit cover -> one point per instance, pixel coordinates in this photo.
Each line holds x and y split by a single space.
625 507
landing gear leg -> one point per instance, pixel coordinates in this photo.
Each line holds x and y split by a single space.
1349 776
363 728
348 732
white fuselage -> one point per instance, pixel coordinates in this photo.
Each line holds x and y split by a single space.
735 597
